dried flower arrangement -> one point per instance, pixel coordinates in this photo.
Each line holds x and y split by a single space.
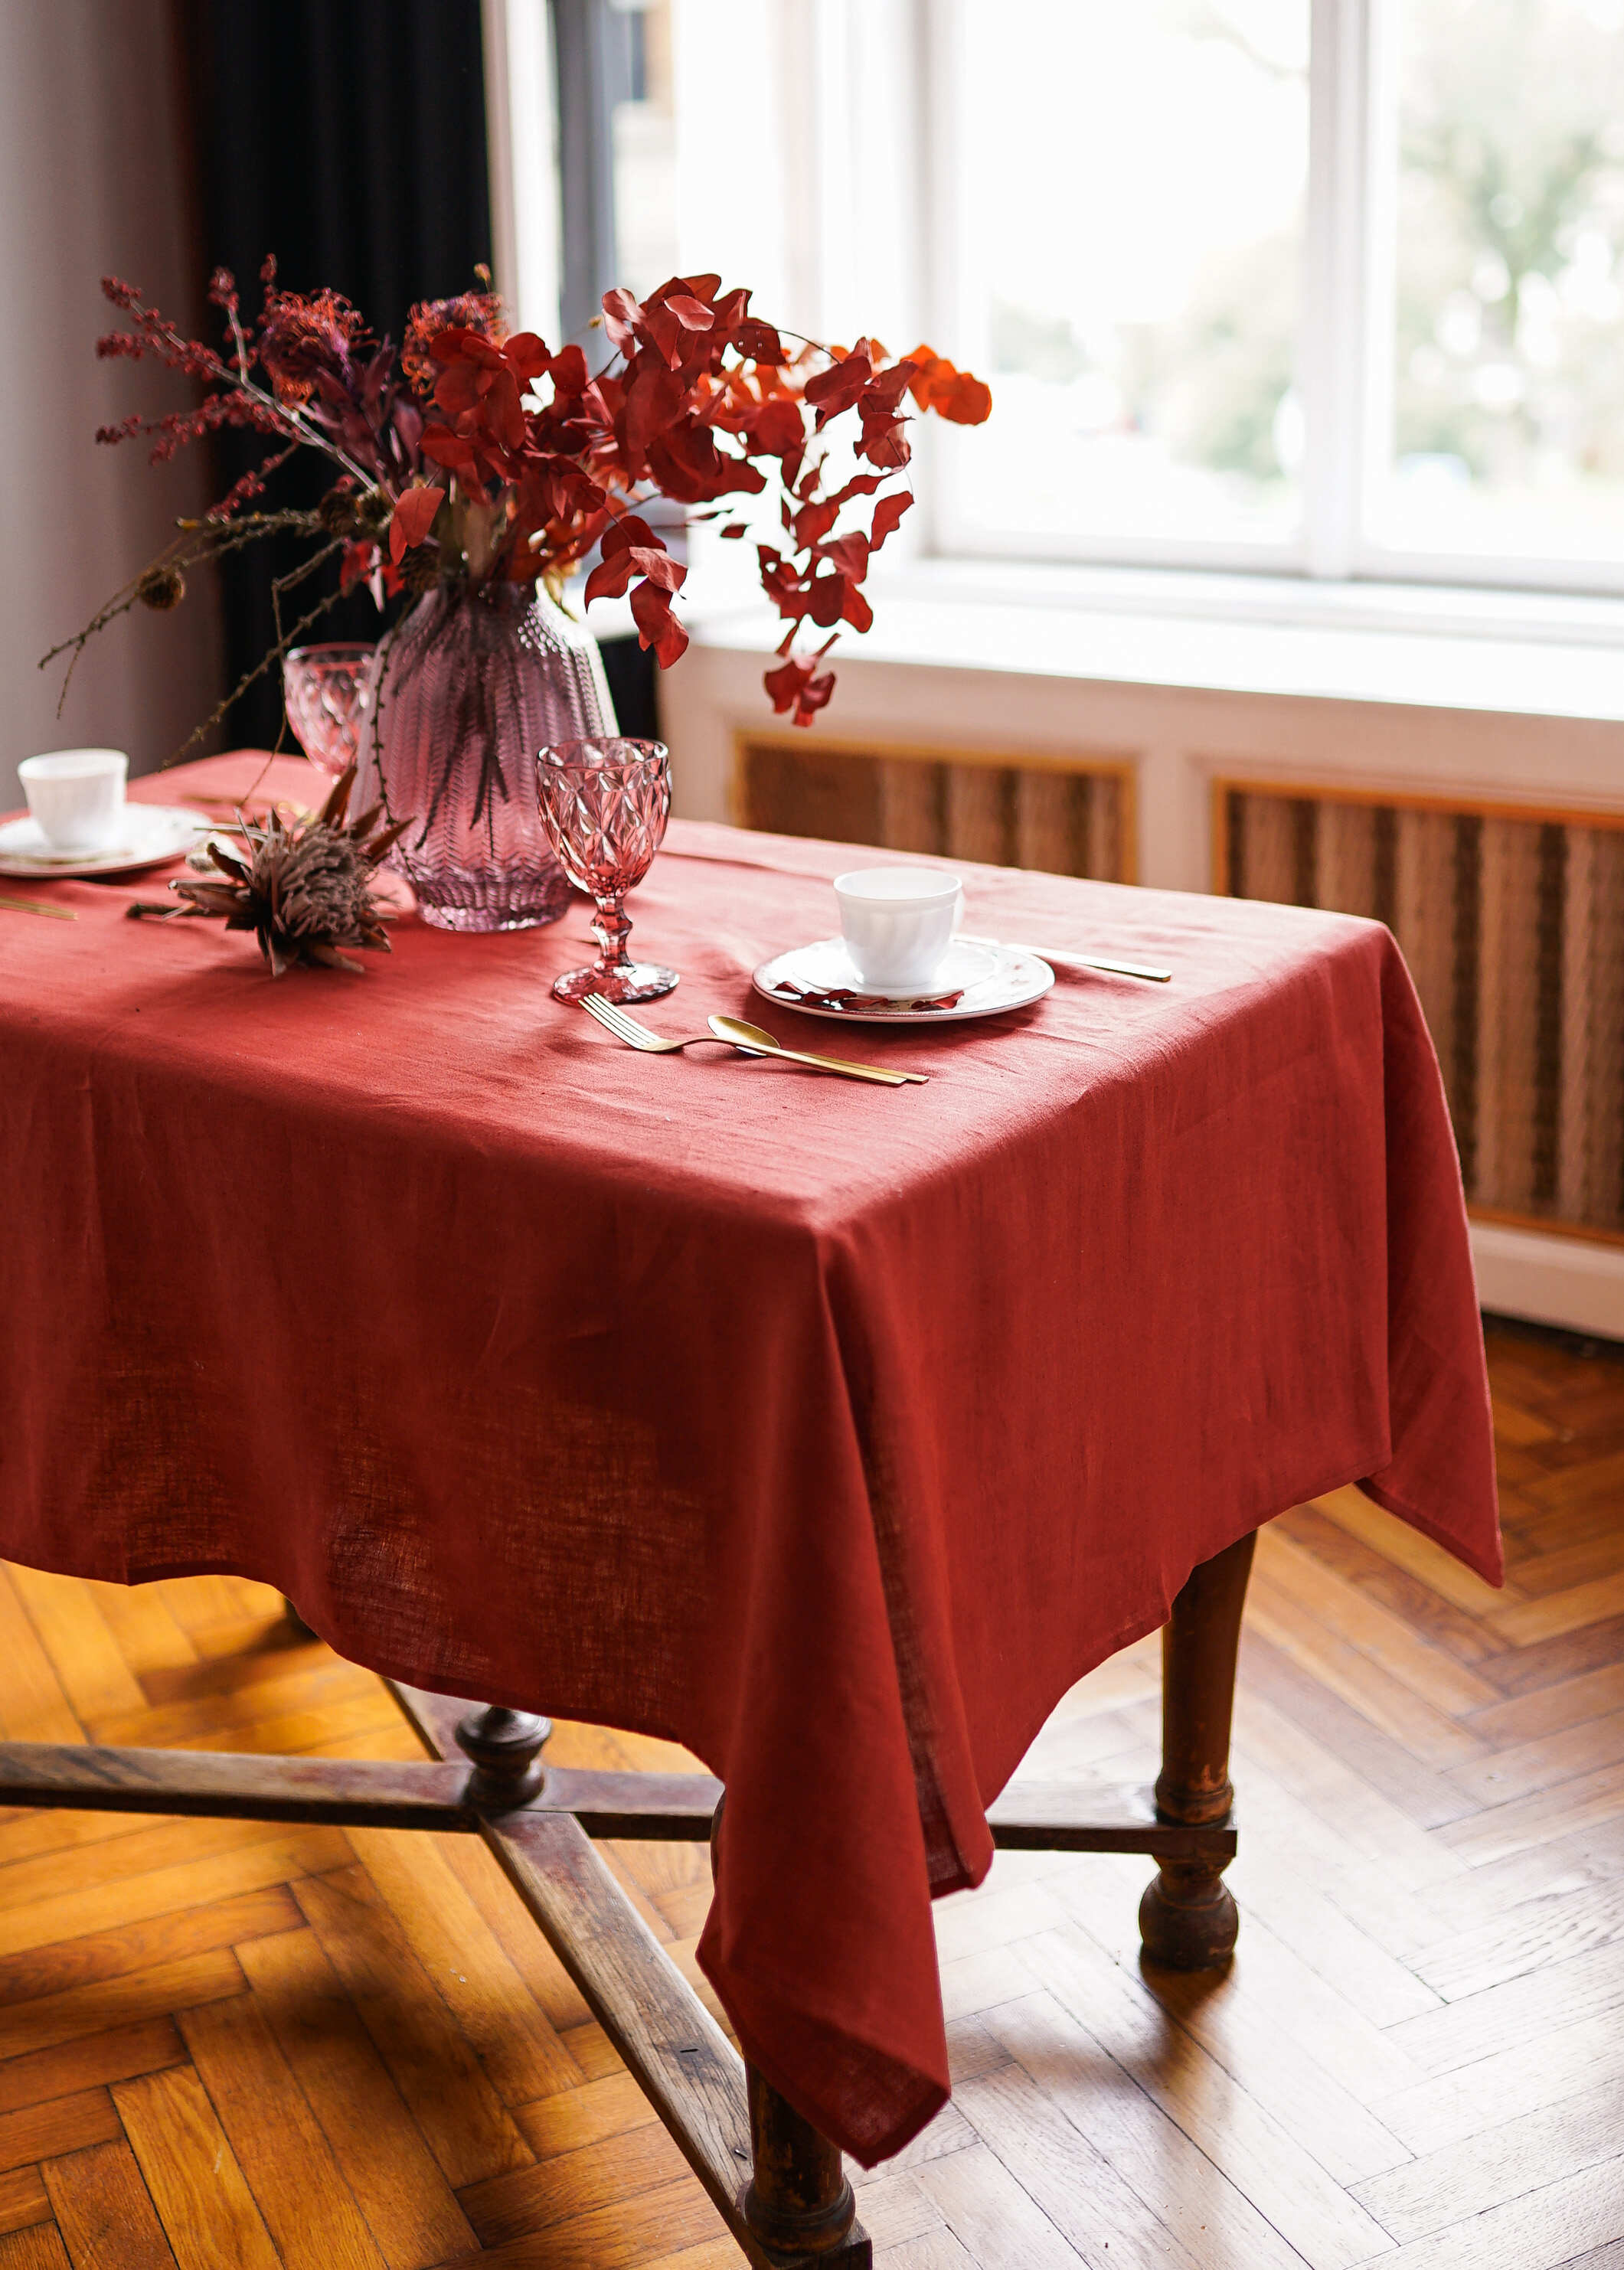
305 890
474 454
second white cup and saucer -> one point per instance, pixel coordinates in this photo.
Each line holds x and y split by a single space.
79 823
898 959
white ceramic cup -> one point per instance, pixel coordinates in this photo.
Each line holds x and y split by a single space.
76 797
899 923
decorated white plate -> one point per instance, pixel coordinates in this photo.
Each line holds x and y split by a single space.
152 834
973 980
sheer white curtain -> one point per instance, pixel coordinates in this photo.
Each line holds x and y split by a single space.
93 180
799 127
801 172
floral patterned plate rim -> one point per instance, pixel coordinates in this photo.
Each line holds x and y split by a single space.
973 980
153 833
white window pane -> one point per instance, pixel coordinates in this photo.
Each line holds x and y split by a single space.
1507 379
1131 181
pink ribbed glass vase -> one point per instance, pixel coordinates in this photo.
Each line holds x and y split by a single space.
470 685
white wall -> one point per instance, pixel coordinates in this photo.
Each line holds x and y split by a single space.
92 181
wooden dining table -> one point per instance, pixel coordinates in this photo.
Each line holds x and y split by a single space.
832 1431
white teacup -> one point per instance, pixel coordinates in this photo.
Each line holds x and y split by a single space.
76 797
899 923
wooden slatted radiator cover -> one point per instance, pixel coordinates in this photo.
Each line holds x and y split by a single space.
1068 815
1512 922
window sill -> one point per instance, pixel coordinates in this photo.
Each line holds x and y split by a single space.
1417 646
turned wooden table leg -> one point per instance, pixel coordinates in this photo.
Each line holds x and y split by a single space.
798 2204
1186 1917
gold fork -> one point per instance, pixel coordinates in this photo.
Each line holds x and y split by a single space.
749 1040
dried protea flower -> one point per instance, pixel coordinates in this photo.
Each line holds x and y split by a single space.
161 589
305 892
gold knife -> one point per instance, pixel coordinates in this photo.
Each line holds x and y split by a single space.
1080 961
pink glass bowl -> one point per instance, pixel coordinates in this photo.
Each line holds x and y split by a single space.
605 804
327 693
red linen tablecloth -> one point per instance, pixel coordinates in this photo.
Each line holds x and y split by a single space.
833 1431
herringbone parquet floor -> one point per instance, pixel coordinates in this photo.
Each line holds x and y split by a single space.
228 2045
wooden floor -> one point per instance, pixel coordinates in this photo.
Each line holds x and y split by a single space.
235 2046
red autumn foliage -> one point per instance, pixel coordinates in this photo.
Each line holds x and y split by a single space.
794 686
702 402
413 517
514 461
952 394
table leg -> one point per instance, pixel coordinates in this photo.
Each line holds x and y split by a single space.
1186 1917
798 2203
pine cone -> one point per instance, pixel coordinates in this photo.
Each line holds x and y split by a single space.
337 514
419 570
305 892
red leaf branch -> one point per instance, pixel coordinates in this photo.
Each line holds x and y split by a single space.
701 402
487 455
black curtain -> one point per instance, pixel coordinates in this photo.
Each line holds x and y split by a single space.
348 137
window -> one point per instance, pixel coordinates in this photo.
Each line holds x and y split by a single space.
1130 187
1332 287
1501 424
1321 285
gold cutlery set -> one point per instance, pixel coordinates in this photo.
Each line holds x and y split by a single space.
734 1033
752 1040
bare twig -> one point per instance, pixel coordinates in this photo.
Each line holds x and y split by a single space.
197 542
322 607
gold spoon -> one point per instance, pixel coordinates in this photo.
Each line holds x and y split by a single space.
751 1037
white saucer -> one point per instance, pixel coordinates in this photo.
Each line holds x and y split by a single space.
987 979
153 833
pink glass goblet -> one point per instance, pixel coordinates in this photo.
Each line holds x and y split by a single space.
604 805
327 692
